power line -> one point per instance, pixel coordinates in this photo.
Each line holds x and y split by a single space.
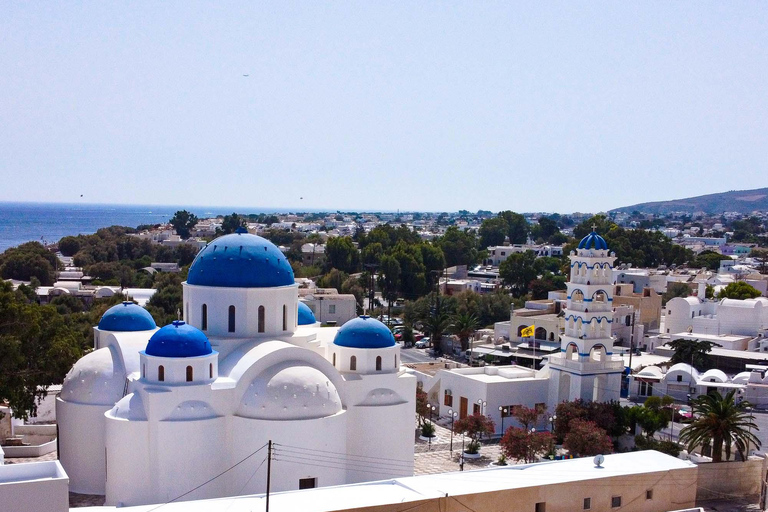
209 480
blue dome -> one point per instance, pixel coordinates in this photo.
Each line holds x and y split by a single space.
178 340
364 332
126 317
241 260
595 240
306 316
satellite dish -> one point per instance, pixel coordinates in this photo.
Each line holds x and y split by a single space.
599 458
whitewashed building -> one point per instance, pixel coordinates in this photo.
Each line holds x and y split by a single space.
153 414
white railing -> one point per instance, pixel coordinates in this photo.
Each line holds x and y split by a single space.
611 364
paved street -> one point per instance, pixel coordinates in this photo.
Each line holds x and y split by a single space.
415 355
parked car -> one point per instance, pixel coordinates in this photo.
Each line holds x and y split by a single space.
422 343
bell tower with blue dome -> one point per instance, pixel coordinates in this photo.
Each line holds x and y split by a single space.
586 367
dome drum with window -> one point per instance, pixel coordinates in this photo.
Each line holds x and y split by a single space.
365 345
177 354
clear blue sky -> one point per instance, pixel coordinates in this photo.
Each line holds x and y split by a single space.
572 106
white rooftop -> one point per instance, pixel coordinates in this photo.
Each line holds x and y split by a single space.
411 489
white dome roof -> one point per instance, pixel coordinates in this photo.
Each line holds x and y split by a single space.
97 379
130 407
741 378
287 392
714 375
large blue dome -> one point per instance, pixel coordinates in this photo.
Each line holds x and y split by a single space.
594 240
306 316
241 260
364 332
126 317
178 339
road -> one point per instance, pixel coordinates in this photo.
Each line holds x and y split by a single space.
415 355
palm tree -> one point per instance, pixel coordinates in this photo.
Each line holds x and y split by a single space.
464 326
722 421
438 322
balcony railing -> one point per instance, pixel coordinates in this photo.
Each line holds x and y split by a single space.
610 364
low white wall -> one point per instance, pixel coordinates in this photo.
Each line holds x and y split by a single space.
34 487
81 445
30 451
724 480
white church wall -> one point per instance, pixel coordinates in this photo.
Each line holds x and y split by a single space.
81 449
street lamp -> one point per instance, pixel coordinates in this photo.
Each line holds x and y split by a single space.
431 410
529 458
482 404
751 420
461 459
503 411
453 414
552 423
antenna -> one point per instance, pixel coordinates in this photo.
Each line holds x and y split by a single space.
599 458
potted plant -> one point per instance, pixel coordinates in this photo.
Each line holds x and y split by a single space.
427 430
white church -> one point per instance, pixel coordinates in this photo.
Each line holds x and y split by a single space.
154 413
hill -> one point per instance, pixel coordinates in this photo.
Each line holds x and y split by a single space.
742 201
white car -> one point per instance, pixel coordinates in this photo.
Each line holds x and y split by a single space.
422 343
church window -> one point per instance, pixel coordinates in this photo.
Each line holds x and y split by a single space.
189 374
210 371
285 317
144 371
334 359
204 323
307 483
378 363
161 373
261 318
353 363
231 318
395 360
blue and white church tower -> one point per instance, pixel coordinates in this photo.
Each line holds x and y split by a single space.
586 367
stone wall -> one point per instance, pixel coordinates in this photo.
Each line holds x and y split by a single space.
727 480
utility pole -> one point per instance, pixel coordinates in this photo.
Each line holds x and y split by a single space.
269 470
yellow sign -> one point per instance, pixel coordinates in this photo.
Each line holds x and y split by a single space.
528 331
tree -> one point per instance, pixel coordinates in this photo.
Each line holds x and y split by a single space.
708 259
182 222
436 325
518 271
693 352
522 444
422 406
38 346
69 245
517 227
342 254
675 290
721 421
493 232
333 279
232 223
761 256
459 247
389 280
464 326
653 415
475 426
738 290
585 439
166 303
527 416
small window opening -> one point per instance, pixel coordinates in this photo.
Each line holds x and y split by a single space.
587 503
261 318
616 502
210 371
307 483
378 363
204 323
231 318
353 363
189 374
649 494
334 359
161 373
285 317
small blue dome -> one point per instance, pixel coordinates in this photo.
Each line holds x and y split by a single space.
364 332
178 340
241 260
306 316
127 317
595 240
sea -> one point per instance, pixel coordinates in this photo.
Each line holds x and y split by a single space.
49 222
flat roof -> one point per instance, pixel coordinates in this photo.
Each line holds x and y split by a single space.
416 488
